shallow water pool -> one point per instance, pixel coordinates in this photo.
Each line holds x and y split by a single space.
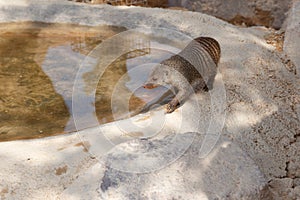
38 65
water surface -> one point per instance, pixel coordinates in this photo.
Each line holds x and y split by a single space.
38 63
38 66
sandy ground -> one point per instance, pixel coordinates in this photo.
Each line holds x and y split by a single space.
256 150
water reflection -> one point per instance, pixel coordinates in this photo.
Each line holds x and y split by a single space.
107 72
38 67
124 78
38 64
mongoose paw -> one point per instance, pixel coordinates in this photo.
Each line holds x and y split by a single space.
205 88
170 108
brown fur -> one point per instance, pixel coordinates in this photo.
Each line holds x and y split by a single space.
193 69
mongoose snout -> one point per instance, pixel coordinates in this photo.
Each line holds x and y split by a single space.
191 70
150 86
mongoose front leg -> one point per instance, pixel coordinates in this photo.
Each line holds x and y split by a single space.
172 105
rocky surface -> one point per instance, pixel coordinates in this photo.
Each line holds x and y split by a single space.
269 13
292 35
223 174
150 3
256 156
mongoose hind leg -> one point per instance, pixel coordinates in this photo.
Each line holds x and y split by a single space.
210 83
199 85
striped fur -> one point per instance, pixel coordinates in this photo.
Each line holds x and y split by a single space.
194 67
211 46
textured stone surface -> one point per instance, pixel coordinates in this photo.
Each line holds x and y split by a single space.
261 12
41 169
291 48
292 35
262 120
224 174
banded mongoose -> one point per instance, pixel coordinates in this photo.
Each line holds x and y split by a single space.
192 69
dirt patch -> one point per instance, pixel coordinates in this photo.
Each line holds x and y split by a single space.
134 134
86 145
61 170
261 17
149 3
275 39
178 8
3 192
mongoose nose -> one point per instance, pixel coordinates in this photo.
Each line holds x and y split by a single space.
149 86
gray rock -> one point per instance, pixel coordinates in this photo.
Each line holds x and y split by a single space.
283 188
292 35
270 13
224 174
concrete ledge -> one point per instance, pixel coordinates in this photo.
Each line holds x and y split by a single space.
259 137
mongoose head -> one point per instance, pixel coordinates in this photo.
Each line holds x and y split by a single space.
158 76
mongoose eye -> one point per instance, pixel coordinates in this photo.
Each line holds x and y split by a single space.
154 78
